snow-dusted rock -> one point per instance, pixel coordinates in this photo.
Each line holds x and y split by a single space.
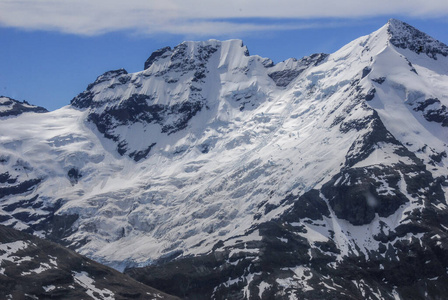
10 107
33 268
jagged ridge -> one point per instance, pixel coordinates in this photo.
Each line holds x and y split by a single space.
11 107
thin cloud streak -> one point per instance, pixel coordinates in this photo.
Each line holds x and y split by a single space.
196 17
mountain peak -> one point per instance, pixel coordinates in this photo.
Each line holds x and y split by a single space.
196 50
404 36
11 107
156 54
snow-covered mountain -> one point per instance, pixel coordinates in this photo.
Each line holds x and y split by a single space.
320 177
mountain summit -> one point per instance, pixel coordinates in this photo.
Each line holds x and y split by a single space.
403 35
322 177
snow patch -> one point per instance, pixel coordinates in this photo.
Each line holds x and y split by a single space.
83 279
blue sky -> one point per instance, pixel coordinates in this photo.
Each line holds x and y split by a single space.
49 53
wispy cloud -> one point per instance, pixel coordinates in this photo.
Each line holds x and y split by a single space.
196 17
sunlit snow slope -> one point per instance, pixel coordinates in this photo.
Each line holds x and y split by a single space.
207 145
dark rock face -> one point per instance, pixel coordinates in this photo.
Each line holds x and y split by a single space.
38 216
11 107
356 195
155 55
19 188
74 175
284 77
403 35
85 99
182 62
366 72
137 110
379 80
107 76
21 205
370 94
433 111
309 205
367 143
32 268
437 157
6 178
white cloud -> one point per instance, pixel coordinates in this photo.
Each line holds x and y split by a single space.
196 17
